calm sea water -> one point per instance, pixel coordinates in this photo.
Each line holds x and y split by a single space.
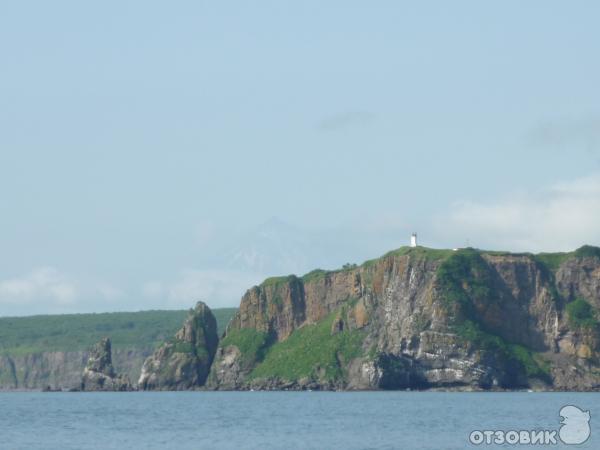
276 420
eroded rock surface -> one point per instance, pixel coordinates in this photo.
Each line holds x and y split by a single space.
99 373
418 319
184 361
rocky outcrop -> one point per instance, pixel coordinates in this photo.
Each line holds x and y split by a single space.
184 361
52 359
99 373
420 318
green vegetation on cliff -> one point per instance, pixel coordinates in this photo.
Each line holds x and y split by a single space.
423 253
457 261
552 261
581 314
431 254
463 278
311 351
73 332
317 274
428 254
588 251
274 281
251 343
531 363
179 346
466 281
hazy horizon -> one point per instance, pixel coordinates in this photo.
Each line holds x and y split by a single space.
152 156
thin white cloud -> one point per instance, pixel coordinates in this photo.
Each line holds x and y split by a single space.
559 218
48 290
45 283
219 288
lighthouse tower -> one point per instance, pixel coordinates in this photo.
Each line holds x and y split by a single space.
413 240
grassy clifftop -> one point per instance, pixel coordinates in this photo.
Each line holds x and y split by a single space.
72 332
550 260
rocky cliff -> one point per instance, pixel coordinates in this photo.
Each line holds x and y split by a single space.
415 318
62 369
99 373
184 361
420 318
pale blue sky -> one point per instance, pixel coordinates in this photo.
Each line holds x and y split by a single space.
143 144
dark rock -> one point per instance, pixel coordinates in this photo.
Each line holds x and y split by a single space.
51 389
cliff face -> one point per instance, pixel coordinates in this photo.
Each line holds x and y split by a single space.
421 318
62 370
184 361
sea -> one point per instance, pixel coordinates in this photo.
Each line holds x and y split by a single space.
284 420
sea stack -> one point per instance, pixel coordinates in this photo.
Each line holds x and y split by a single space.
99 373
184 361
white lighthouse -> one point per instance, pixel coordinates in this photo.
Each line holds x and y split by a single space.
413 240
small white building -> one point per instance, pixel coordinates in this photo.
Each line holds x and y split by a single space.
413 240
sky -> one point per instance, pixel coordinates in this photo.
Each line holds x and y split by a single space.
153 154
